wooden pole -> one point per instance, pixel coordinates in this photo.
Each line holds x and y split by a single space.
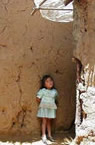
66 2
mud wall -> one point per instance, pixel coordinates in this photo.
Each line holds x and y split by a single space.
84 34
29 48
84 31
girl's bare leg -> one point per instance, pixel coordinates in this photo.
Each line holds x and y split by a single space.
44 125
49 127
49 130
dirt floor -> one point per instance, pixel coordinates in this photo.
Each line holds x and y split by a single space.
61 138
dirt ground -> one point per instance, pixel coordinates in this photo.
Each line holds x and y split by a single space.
61 138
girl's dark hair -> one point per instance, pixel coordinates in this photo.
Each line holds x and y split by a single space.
45 77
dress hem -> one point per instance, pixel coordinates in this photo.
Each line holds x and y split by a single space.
46 117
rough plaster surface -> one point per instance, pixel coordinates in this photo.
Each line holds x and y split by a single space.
29 48
84 32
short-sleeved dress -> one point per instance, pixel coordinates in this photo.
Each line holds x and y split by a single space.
47 107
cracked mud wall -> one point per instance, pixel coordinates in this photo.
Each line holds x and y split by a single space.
29 48
84 33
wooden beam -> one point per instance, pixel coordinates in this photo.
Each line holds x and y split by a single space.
66 2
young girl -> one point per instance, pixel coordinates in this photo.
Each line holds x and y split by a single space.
47 97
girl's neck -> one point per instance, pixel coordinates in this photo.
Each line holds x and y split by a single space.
48 88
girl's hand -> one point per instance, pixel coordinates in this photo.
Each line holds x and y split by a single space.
57 103
38 99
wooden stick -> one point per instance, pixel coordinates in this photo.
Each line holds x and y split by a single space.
42 8
33 11
35 8
66 2
42 2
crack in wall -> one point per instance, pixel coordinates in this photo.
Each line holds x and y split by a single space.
5 3
22 113
18 80
3 45
3 30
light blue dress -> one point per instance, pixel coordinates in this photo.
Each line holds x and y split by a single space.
47 107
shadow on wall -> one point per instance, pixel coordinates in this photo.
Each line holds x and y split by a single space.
29 48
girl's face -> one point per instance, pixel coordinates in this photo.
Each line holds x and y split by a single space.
49 83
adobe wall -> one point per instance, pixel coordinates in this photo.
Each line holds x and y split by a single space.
84 34
30 47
